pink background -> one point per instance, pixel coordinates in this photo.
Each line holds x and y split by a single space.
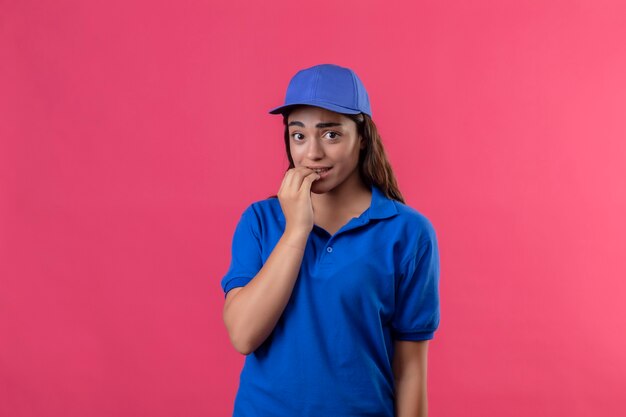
133 135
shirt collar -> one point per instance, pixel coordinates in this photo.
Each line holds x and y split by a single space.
381 206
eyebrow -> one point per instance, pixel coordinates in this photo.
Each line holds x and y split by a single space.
319 125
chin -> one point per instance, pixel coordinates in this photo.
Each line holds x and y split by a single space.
317 189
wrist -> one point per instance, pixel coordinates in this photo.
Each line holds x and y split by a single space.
295 238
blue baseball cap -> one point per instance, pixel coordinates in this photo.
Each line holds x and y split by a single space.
329 86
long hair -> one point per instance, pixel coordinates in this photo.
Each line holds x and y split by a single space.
374 167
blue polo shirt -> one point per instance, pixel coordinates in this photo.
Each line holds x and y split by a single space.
374 281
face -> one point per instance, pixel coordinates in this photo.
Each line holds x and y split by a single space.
323 138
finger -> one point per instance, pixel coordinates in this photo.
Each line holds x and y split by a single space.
290 179
308 181
302 172
297 176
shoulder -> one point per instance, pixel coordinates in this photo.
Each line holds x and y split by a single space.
415 221
415 230
264 207
260 213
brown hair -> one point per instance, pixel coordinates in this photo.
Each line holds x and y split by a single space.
374 167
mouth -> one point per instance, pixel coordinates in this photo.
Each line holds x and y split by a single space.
323 172
320 170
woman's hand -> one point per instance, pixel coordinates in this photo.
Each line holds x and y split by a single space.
294 196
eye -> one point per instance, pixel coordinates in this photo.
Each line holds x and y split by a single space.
332 138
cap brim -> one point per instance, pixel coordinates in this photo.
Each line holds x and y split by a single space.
327 106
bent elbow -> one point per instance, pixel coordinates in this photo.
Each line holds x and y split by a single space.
240 344
243 348
243 345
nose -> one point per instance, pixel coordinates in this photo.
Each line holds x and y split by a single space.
315 150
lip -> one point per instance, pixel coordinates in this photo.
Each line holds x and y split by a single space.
318 167
324 174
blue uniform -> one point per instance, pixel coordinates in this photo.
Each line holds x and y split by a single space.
374 281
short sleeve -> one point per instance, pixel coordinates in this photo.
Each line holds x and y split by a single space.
416 315
246 260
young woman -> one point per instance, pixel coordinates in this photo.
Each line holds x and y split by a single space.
333 287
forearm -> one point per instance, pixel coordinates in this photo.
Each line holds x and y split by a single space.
411 397
256 308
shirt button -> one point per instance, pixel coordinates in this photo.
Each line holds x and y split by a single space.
329 249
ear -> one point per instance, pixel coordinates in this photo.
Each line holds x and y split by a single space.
362 145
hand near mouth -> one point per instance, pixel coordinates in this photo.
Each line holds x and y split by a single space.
294 196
